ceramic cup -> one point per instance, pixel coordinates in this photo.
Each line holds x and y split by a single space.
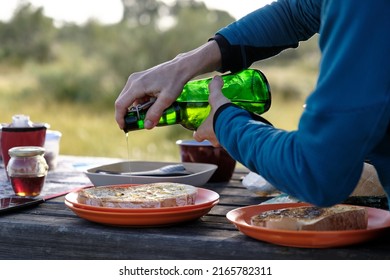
204 152
52 148
21 136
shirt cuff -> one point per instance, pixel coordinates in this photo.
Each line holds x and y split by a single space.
254 116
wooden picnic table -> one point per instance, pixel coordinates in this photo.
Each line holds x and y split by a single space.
52 231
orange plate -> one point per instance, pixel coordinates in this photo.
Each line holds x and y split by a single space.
136 219
204 198
378 223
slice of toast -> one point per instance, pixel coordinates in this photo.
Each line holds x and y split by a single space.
338 217
155 195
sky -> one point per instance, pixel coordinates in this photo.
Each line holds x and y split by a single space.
110 11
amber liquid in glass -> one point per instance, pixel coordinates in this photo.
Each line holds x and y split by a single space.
27 186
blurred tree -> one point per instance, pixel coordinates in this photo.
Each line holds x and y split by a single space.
195 24
139 46
28 36
141 12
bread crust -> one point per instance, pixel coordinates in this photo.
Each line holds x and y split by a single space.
155 195
312 218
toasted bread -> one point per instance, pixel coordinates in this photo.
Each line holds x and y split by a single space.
338 217
155 195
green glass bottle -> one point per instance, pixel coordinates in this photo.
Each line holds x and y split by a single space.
248 89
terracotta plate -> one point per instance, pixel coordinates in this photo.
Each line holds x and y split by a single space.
140 219
204 198
144 217
378 223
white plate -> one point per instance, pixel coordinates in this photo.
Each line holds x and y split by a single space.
201 173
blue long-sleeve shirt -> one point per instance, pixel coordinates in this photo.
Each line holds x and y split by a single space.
347 117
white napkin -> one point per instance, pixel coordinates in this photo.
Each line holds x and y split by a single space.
258 185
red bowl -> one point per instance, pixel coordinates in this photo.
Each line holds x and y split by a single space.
204 152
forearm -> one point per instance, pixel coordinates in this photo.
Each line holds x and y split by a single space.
301 164
204 59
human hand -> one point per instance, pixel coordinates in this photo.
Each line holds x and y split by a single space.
216 99
165 81
162 81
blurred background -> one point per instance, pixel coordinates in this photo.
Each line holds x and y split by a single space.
68 73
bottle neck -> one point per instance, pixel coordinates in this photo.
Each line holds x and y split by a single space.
135 120
131 122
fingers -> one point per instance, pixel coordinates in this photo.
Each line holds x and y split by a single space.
200 135
156 110
125 99
120 112
139 89
216 99
121 105
142 86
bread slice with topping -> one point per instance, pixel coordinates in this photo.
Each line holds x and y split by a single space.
338 217
154 195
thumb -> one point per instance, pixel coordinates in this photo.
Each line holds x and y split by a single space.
216 98
215 85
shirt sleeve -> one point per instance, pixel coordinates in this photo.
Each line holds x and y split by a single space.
346 118
266 32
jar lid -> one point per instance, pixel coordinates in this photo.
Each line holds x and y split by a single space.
26 151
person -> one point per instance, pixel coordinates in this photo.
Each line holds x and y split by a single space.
346 120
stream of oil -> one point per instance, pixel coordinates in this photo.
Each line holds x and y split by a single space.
128 155
128 149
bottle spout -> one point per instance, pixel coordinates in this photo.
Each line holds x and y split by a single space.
136 115
143 106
